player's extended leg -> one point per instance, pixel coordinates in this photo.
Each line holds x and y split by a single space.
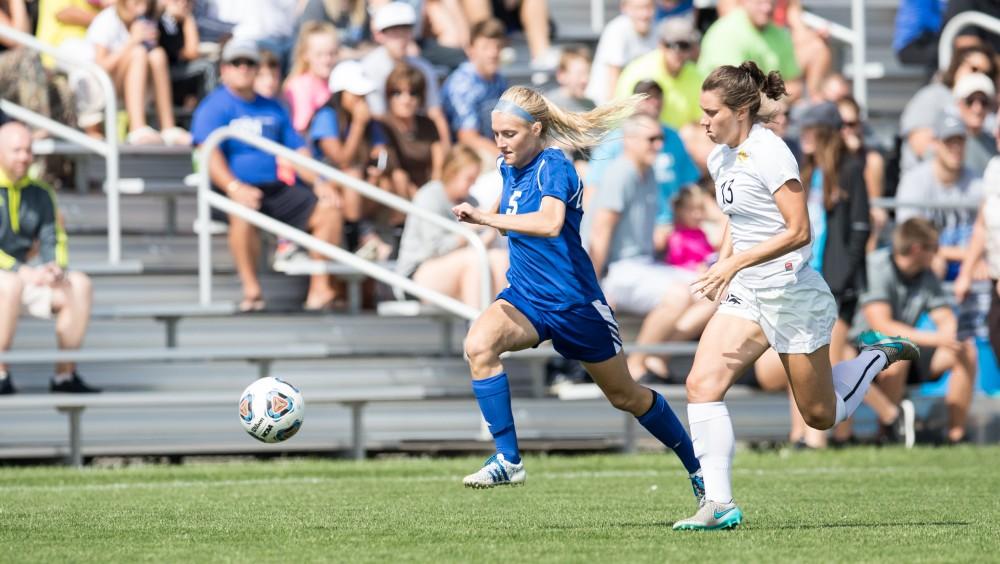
499 329
650 409
729 345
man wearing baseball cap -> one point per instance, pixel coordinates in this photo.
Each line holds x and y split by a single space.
393 28
975 97
943 178
672 67
249 176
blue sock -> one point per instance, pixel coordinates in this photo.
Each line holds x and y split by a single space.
661 422
493 395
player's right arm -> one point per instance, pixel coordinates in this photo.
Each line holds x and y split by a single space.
726 247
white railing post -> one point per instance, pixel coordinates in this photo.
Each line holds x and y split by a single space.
110 146
853 37
858 54
955 25
204 231
208 199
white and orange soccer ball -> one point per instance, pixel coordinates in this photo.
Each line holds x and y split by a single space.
271 410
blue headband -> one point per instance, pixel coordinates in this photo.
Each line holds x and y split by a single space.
509 107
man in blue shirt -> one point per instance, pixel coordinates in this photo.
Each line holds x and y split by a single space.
673 168
250 176
470 92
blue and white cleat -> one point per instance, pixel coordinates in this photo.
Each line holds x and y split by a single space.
894 348
496 471
712 516
698 487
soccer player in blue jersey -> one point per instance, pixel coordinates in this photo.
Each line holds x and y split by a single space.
553 293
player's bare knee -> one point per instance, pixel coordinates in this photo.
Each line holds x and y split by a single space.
481 353
629 399
819 417
704 388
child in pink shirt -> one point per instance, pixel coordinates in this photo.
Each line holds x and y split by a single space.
307 87
688 246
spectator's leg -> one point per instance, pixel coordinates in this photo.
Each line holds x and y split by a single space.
159 68
535 19
470 291
659 324
477 10
71 302
11 288
325 223
136 70
960 385
445 273
814 57
243 238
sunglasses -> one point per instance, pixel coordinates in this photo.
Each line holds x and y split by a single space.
851 124
655 138
249 63
980 99
679 45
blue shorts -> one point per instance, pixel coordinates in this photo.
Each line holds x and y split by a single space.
588 333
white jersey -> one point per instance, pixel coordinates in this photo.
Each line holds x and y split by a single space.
746 178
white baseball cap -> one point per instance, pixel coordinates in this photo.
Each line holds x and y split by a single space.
972 83
394 14
350 76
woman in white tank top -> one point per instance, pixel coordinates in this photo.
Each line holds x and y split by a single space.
770 297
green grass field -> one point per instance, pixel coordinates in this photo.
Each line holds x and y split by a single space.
923 505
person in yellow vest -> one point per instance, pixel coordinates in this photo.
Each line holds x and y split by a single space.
29 229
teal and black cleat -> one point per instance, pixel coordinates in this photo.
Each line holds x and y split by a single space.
496 471
894 348
698 487
712 516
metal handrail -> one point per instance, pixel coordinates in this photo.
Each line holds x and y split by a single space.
951 29
893 203
208 199
108 148
854 37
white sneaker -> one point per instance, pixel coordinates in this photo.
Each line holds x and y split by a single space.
712 516
496 471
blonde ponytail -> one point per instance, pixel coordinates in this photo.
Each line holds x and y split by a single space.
577 130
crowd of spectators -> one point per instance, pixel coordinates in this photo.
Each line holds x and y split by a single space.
399 94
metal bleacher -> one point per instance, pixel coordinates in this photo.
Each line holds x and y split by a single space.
148 337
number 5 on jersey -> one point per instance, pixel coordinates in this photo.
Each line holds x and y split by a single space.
512 203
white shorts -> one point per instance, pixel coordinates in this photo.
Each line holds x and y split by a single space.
638 285
36 301
797 318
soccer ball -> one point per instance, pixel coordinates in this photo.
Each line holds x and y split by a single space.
271 410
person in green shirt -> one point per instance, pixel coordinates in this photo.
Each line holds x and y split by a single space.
750 34
672 67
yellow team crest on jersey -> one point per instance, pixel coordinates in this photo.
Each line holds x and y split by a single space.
743 156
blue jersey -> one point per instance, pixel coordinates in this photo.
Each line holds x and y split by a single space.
553 273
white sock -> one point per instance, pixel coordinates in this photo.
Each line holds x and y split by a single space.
714 445
62 377
852 378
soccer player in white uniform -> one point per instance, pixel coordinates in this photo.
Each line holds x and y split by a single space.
772 298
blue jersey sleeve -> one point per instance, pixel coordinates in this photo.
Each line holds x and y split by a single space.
324 125
557 178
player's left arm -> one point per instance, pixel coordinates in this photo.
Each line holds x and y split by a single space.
546 222
791 201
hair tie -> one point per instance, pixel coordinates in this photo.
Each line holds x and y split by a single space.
506 106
